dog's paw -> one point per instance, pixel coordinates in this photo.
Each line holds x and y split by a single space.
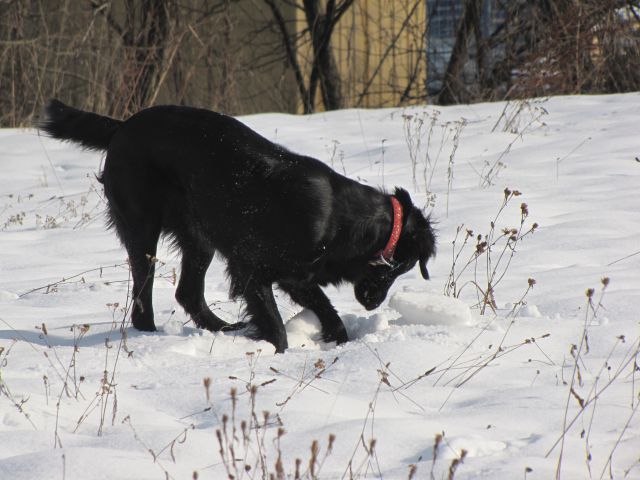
338 335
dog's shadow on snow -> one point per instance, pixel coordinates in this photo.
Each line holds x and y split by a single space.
54 339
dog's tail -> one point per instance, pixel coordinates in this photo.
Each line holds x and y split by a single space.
90 130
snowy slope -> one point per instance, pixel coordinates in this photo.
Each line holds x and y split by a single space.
80 401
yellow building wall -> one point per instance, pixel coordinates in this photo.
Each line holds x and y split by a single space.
379 47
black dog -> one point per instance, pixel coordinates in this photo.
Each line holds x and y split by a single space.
212 184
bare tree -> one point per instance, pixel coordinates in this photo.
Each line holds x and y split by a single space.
453 87
324 71
545 47
144 35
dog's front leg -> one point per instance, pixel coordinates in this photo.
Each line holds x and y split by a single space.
312 297
263 311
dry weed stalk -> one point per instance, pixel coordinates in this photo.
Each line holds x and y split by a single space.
127 420
588 401
4 388
490 258
419 129
513 121
242 445
306 379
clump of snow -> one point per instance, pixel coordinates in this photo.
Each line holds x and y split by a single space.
304 329
425 308
6 295
358 327
531 311
173 327
474 445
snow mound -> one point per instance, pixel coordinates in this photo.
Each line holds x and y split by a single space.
475 445
304 329
425 308
530 311
6 295
173 327
358 327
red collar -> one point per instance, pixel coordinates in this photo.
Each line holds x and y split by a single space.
386 255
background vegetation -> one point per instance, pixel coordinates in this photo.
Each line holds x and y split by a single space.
247 56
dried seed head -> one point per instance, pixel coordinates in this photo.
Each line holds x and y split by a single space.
524 209
605 281
507 192
332 438
531 282
590 292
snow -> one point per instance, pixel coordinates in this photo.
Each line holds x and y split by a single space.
80 400
424 308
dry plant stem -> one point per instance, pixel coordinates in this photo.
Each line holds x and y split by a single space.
456 142
595 393
468 373
415 130
629 359
60 374
167 475
609 464
436 449
4 388
306 379
578 353
65 280
386 367
349 471
490 172
57 442
493 272
108 385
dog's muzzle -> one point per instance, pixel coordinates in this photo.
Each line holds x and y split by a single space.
370 294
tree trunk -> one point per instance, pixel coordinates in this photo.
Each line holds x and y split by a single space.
324 69
452 85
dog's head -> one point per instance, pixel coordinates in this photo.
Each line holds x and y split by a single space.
417 244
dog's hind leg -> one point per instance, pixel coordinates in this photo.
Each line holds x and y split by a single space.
313 298
190 291
141 243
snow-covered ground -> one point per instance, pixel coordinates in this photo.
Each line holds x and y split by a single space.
542 385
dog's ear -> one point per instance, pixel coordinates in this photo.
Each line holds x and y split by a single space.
404 198
417 231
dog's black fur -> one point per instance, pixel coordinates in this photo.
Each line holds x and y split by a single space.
213 184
